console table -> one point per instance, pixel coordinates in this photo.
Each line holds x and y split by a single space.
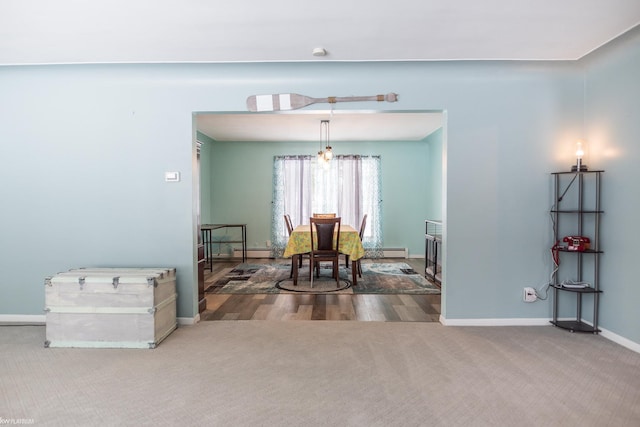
208 239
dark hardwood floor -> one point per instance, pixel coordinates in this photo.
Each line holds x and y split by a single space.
359 307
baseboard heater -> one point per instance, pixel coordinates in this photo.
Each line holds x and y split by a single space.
395 252
266 253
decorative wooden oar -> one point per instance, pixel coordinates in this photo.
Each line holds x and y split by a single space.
293 101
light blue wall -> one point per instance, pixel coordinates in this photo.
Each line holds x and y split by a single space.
504 122
434 179
240 186
85 149
205 178
613 129
99 139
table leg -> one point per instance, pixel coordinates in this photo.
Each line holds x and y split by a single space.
295 269
208 248
354 272
244 243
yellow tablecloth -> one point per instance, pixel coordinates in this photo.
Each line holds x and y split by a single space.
300 242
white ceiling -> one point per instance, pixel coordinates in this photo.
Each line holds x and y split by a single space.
106 31
168 31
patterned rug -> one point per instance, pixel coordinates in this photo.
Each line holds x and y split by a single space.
377 278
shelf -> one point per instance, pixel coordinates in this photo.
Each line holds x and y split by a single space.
579 213
588 251
575 172
586 290
576 211
575 326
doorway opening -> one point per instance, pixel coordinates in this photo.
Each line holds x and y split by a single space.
237 150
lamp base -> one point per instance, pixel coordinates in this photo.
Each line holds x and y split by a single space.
582 168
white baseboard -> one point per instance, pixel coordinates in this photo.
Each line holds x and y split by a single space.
188 321
31 319
633 346
253 253
495 322
625 342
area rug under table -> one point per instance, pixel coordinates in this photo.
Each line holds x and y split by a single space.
377 278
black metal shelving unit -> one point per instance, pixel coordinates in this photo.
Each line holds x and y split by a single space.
583 216
432 252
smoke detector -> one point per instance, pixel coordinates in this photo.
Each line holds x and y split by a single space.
319 51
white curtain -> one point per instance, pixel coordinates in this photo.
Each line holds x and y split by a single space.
350 187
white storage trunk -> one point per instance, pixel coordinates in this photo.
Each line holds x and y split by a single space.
110 307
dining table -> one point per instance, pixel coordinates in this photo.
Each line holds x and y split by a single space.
300 243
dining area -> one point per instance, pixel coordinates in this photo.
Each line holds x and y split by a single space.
324 239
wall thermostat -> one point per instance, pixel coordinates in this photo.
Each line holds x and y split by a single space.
172 176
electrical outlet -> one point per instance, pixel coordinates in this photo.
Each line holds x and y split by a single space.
529 295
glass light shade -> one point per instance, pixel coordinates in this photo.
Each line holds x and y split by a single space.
324 156
579 166
579 150
320 157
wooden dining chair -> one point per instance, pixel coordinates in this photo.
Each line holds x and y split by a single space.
324 246
289 224
324 215
363 225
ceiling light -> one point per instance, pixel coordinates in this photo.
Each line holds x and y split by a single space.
324 156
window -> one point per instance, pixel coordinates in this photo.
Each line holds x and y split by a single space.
350 186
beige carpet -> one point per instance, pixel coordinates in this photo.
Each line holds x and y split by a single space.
324 373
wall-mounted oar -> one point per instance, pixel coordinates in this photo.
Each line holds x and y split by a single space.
293 101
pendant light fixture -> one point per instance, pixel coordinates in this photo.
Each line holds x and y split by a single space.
324 156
